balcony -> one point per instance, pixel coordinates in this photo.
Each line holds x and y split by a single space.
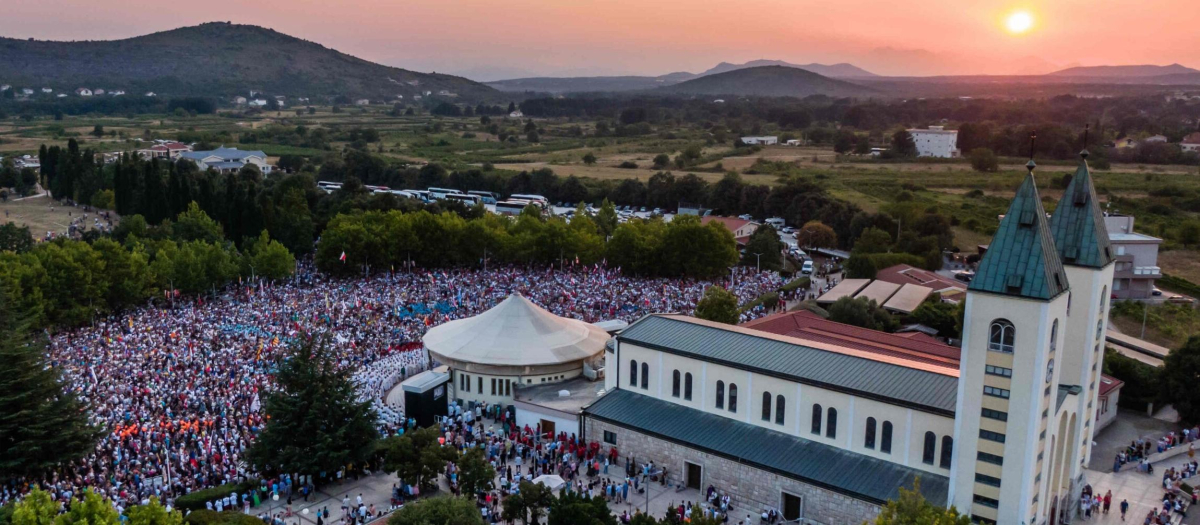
1139 272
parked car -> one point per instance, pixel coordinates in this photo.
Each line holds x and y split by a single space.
807 267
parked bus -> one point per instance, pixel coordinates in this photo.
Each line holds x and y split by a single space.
512 207
486 196
329 186
537 199
469 200
378 189
441 193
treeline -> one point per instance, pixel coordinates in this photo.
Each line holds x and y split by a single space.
381 241
130 104
71 282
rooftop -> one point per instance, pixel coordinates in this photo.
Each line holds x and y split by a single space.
1022 260
732 223
581 392
846 288
905 274
826 466
1078 224
1132 237
1108 384
905 381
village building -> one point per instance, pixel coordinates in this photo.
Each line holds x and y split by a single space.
740 228
937 141
228 160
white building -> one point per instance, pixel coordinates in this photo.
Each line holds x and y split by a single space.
1191 143
362 102
47 90
117 93
827 430
26 91
98 91
239 100
83 92
227 160
764 141
935 142
516 114
151 94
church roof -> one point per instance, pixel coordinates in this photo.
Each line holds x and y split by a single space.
515 332
1022 260
1078 223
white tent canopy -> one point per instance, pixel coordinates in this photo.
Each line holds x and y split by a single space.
515 332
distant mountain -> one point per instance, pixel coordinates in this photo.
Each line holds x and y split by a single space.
842 70
588 84
769 81
218 59
1125 72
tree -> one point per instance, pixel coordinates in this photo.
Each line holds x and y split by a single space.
982 159
317 423
528 503
844 142
718 305
814 234
873 240
15 238
92 509
661 161
153 513
903 144
37 508
589 158
475 473
438 511
938 315
417 456
195 225
606 218
766 243
42 422
1181 374
863 313
572 508
270 259
1189 233
911 508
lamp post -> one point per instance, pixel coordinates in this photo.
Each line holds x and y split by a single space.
757 262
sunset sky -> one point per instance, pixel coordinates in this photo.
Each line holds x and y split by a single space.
491 39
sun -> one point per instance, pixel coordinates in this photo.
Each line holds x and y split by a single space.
1019 22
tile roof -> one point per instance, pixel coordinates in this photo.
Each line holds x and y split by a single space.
1108 384
825 466
1078 223
845 288
903 381
1022 260
908 298
732 223
905 274
806 325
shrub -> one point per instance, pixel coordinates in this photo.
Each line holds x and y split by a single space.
796 284
982 159
198 499
769 300
629 165
103 199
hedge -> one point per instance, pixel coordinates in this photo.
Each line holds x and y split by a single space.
212 517
1179 285
795 284
865 266
198 500
768 299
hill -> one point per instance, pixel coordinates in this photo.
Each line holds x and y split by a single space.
588 84
1125 72
842 70
217 59
769 81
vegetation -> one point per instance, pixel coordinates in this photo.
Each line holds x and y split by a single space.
317 424
417 456
438 511
1180 375
718 305
528 504
911 508
1143 383
862 312
571 508
764 250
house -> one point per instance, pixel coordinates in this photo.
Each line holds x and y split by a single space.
741 228
165 150
1106 403
47 90
896 298
762 141
5 87
62 95
26 91
1136 257
516 114
793 142
937 141
1191 143
1156 138
1124 143
83 92
227 160
97 91
719 101
362 102
239 100
151 94
951 290
257 103
827 423
117 93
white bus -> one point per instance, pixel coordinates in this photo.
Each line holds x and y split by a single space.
420 195
486 196
329 186
441 193
469 200
538 199
512 207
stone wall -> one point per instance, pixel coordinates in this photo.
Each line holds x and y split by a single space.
750 489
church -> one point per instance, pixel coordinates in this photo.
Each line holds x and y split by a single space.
827 424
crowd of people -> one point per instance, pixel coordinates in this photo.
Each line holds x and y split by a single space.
176 388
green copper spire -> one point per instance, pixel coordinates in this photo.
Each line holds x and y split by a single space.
1078 223
1021 260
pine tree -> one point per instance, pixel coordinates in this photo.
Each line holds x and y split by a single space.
42 424
317 422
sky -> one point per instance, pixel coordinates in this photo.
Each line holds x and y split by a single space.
494 39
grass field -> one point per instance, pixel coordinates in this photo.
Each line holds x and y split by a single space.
40 214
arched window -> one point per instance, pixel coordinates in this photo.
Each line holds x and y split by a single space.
816 419
645 375
675 384
869 439
779 410
947 451
632 373
1000 339
1054 336
885 438
766 406
732 397
687 386
1103 299
720 394
831 423
1100 329
930 448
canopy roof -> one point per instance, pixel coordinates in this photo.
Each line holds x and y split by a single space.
515 332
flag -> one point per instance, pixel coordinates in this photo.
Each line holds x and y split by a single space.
343 257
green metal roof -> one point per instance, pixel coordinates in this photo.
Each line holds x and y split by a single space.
1022 260
825 466
882 381
1078 223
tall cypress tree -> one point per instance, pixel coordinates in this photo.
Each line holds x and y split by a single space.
42 424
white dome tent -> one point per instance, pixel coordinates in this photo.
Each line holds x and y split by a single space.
514 343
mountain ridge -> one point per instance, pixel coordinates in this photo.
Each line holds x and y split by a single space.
1126 72
768 81
218 59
